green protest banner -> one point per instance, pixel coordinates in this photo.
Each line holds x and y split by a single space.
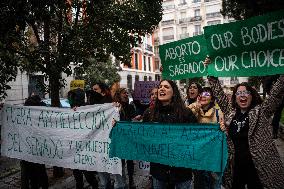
252 47
197 146
183 59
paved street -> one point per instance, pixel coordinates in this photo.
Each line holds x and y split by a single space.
10 174
10 177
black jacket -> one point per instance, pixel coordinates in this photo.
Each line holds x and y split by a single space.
127 112
165 172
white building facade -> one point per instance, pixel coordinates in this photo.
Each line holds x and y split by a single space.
186 18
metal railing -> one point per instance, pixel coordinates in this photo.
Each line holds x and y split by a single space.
213 15
168 37
181 4
168 22
197 33
196 18
183 35
167 7
184 20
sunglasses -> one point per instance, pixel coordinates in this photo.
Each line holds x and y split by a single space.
205 94
242 93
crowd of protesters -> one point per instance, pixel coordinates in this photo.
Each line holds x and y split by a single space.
253 162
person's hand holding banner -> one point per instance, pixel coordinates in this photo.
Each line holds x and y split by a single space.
207 61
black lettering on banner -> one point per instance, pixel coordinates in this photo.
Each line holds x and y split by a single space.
14 142
45 147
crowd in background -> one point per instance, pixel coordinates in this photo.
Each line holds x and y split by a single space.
245 118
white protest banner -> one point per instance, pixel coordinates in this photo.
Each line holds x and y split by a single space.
60 137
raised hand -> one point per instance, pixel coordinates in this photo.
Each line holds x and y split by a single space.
207 61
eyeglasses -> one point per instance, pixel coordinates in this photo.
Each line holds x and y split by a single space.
205 94
242 93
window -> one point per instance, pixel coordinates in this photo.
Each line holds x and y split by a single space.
129 81
168 33
210 23
184 30
149 63
150 78
197 28
136 61
136 77
184 33
197 12
157 64
157 77
234 78
183 14
144 63
145 78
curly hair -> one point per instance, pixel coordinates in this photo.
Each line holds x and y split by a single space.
256 99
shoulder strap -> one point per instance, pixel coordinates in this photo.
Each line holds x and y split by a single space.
217 115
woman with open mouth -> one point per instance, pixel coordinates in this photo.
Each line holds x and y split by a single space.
206 111
192 92
254 161
169 108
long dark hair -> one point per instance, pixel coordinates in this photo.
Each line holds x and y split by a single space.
256 99
176 104
199 88
117 97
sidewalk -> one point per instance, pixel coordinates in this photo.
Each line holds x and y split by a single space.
10 177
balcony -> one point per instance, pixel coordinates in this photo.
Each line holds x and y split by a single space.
196 18
197 33
184 20
184 35
206 1
168 7
168 37
168 22
181 4
149 47
196 1
213 15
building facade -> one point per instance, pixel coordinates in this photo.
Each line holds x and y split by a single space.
187 18
143 66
